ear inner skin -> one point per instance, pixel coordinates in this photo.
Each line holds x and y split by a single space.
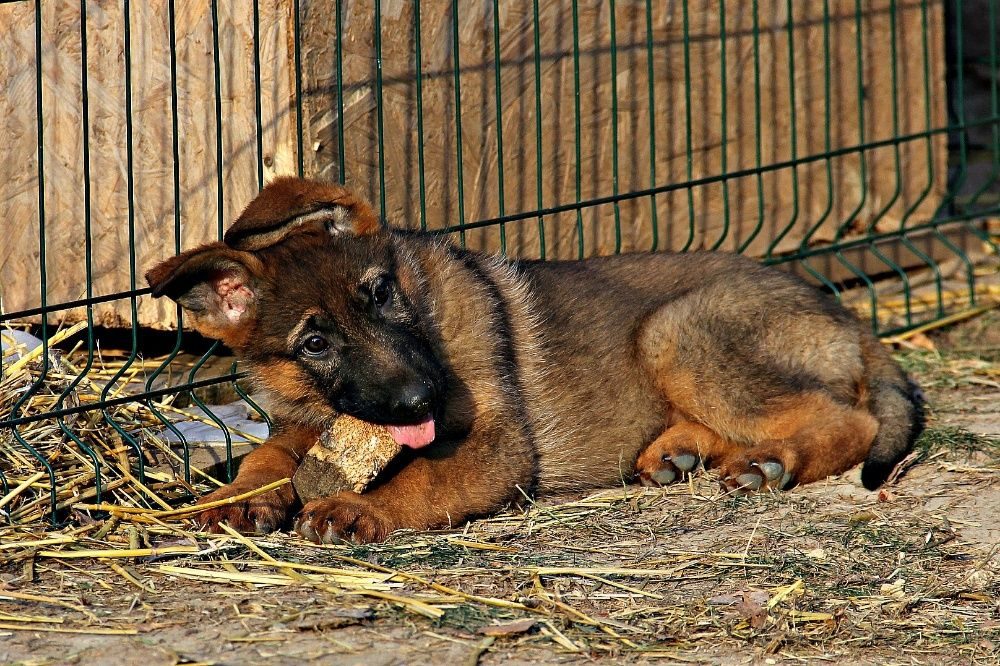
216 284
234 295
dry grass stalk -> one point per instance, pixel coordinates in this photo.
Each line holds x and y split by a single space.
82 447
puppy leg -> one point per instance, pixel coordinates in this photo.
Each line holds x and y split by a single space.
445 486
789 402
275 459
679 450
808 438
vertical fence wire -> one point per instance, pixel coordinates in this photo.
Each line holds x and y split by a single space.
42 268
133 352
459 155
418 68
793 134
258 93
379 113
929 261
341 148
578 162
613 47
844 227
828 166
758 146
724 126
259 163
688 138
898 184
87 256
176 183
654 243
221 212
539 194
960 256
297 68
497 101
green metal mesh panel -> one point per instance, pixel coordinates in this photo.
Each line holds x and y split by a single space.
890 242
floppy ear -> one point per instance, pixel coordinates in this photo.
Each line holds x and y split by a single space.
291 205
216 284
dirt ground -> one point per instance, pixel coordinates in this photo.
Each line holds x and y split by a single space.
825 573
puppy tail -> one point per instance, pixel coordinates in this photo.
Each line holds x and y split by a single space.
898 405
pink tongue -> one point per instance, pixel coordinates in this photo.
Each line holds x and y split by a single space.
415 436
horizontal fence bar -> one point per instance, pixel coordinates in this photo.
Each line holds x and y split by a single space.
134 397
69 305
872 239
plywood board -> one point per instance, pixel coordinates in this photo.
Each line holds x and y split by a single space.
710 131
132 197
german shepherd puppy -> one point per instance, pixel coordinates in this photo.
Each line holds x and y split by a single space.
503 379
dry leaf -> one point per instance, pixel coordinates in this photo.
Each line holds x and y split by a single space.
861 517
894 589
725 600
509 628
755 613
759 597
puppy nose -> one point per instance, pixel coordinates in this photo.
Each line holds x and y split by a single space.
414 399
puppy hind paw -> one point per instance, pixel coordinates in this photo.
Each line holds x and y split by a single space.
751 473
667 469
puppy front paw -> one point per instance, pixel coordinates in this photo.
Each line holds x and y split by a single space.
345 516
260 514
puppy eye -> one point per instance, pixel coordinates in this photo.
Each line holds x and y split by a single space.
381 292
315 345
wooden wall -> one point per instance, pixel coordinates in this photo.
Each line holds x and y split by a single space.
152 213
873 190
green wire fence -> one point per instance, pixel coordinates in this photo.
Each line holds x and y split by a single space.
855 143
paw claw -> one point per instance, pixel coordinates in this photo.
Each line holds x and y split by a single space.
785 480
664 476
685 462
304 528
771 469
749 481
332 535
263 526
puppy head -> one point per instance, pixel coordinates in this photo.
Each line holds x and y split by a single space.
326 307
